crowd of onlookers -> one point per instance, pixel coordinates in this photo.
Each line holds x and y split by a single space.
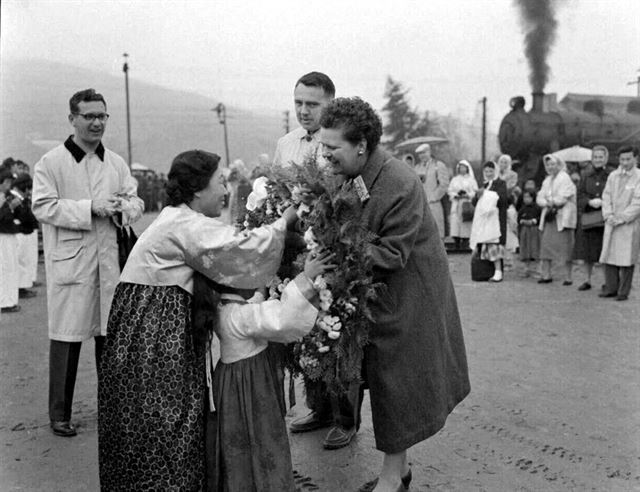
587 213
18 236
151 189
501 220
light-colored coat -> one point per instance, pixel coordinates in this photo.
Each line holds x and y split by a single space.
80 250
461 182
621 198
561 192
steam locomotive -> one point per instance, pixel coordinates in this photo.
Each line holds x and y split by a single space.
579 119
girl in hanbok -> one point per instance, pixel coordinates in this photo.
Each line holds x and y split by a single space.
250 443
528 220
151 380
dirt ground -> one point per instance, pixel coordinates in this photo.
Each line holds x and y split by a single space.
554 405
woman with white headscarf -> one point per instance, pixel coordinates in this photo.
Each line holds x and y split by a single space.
462 189
506 174
557 198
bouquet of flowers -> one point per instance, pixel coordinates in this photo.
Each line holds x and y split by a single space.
329 219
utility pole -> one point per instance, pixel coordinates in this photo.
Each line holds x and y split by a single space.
484 129
222 118
636 83
286 122
125 69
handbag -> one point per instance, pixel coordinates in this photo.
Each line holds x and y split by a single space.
591 220
126 239
481 270
467 211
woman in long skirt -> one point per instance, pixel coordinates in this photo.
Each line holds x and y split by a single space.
151 381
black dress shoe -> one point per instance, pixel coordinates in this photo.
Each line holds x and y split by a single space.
607 294
545 280
622 298
309 422
63 428
11 309
26 293
371 484
339 437
567 282
585 286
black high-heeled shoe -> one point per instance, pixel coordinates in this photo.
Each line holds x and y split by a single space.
405 481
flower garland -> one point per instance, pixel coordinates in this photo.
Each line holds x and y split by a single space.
330 218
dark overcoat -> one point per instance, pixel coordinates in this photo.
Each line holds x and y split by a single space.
500 187
415 365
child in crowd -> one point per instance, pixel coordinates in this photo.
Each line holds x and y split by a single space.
530 186
9 229
528 220
250 448
512 243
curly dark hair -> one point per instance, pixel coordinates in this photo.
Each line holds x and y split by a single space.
190 172
357 119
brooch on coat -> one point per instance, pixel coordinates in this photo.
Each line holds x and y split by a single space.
361 189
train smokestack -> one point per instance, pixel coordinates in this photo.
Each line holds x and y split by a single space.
537 102
539 27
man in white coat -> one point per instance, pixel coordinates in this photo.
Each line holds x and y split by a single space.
80 191
621 213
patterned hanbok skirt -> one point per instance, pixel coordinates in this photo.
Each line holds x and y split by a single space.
151 389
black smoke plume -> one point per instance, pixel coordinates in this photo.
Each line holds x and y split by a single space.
539 27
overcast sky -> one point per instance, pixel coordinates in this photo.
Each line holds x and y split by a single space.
249 53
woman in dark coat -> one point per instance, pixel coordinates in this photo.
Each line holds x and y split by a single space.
590 200
415 363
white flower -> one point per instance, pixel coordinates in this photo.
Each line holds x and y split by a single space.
320 283
310 239
303 209
282 285
324 326
324 349
325 306
334 335
260 187
349 308
325 295
337 326
252 202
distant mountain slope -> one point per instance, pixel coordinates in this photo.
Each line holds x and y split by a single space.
34 98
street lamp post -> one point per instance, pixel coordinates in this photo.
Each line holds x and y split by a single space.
125 69
484 130
222 118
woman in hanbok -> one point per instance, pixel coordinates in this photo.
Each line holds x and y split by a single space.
250 444
151 381
462 189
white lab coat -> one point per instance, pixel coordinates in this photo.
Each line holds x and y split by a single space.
80 250
621 244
